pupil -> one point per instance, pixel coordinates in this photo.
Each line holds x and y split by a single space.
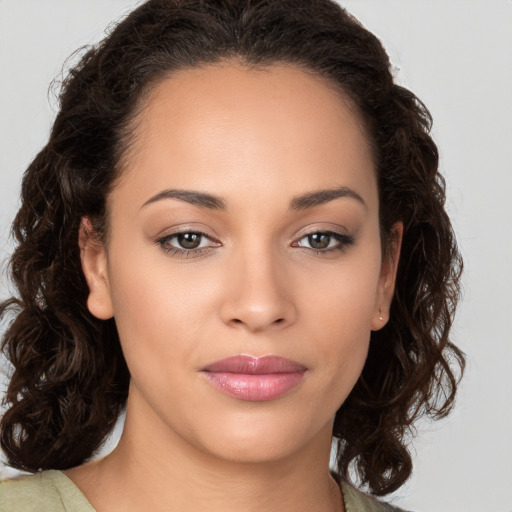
189 240
319 240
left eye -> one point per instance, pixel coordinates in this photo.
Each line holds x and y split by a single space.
324 241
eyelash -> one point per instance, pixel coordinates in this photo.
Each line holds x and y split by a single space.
344 241
184 253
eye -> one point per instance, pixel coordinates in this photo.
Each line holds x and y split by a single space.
187 240
324 241
187 243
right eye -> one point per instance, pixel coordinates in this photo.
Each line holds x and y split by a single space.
186 244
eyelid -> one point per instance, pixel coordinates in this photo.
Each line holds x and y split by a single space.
339 233
189 232
168 234
186 228
344 239
322 228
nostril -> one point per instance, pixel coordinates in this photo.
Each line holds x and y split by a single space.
237 321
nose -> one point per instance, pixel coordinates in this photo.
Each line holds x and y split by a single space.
259 294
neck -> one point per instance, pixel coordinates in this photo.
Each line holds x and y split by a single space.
152 471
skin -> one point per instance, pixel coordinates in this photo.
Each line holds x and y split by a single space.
257 139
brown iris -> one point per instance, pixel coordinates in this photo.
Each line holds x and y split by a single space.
319 240
189 240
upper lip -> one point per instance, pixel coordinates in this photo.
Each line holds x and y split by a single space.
250 365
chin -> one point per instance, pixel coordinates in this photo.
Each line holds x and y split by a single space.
264 441
255 451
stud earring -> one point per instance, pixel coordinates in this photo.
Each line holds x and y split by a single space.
380 315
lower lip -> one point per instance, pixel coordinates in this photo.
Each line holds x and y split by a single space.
254 388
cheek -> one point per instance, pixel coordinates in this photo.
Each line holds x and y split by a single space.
343 296
158 313
340 310
343 324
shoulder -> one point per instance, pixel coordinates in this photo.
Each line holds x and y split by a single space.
357 501
25 493
48 491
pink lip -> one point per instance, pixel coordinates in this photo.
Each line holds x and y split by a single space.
254 379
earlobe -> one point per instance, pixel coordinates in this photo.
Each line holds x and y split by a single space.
94 266
386 287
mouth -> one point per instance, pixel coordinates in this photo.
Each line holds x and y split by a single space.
254 379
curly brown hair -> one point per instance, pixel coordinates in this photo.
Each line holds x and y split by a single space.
70 380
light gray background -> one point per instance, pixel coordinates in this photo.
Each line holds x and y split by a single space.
456 55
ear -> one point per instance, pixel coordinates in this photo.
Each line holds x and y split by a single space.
386 286
94 265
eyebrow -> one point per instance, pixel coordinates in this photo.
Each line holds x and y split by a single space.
319 197
211 202
200 199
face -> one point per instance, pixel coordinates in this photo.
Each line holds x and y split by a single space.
243 264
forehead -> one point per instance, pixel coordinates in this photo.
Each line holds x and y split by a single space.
224 127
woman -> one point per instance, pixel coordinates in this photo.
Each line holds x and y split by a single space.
237 233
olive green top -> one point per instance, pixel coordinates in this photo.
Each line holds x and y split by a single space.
53 491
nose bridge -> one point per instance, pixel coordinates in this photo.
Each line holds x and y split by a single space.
258 297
